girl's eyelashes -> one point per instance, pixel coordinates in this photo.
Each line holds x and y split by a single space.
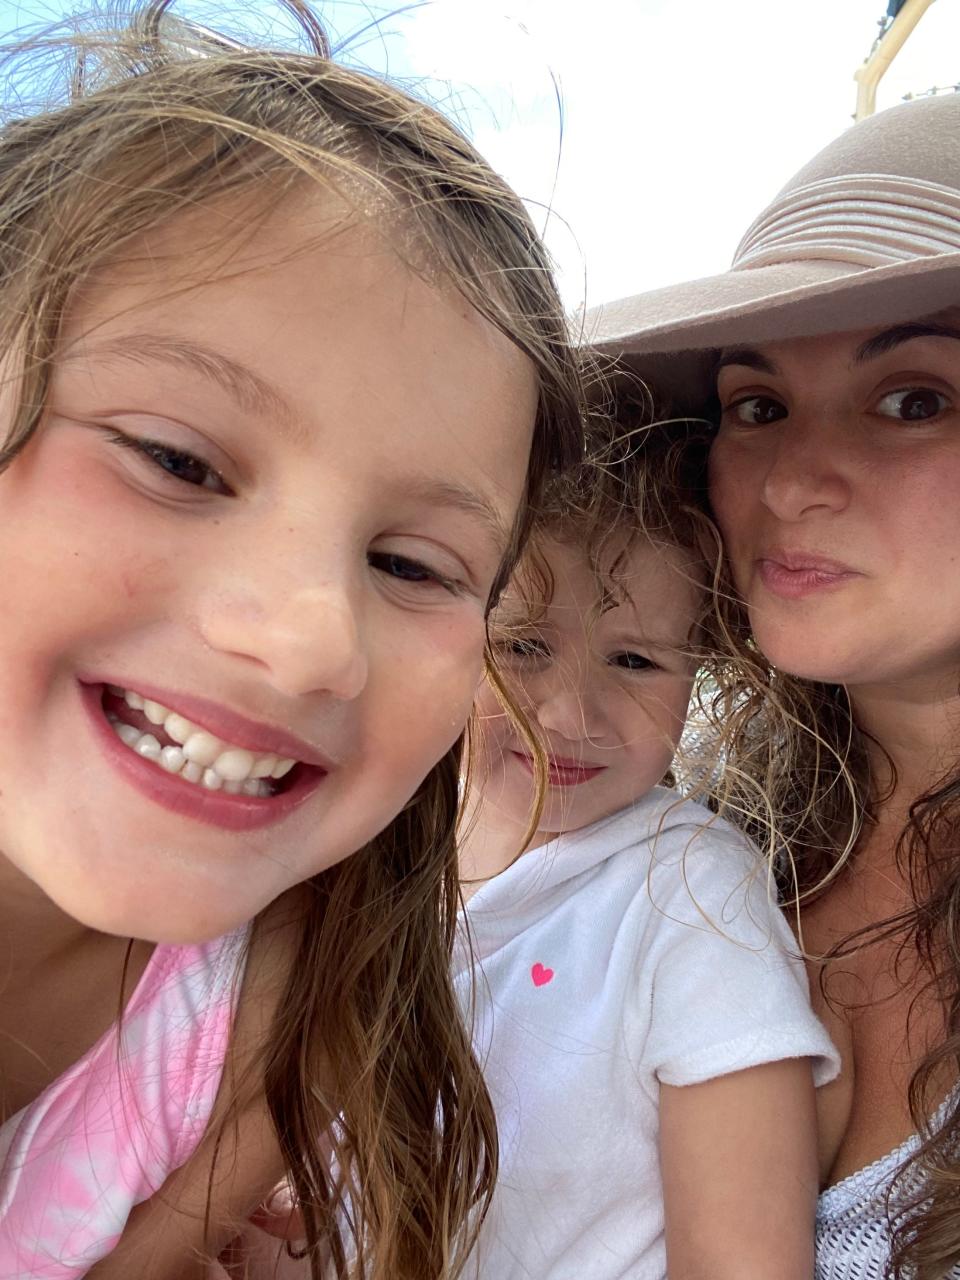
406 569
753 411
912 404
632 661
178 464
523 648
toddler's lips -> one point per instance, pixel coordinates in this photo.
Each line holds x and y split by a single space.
562 772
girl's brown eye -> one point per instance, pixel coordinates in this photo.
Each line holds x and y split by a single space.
913 404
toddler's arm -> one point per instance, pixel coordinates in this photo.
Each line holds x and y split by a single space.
739 1162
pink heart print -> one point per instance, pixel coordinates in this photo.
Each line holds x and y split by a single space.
540 975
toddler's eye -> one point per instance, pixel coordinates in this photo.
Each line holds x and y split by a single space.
523 648
176 463
913 404
405 569
630 661
756 411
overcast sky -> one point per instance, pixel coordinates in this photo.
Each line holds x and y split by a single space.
680 118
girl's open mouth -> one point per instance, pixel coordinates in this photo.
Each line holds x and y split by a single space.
185 767
183 748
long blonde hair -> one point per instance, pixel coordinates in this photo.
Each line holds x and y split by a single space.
160 118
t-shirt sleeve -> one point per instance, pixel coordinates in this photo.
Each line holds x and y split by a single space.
727 987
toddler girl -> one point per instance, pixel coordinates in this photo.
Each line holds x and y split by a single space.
284 368
641 1014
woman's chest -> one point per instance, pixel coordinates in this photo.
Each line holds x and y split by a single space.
875 1004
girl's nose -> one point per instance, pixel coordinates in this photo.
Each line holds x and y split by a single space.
805 472
570 713
307 638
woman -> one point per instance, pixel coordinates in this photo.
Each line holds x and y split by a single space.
831 351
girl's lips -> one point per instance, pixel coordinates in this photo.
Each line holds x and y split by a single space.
792 577
561 772
230 726
216 808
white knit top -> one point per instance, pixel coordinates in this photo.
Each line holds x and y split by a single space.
853 1233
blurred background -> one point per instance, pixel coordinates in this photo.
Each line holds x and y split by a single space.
645 134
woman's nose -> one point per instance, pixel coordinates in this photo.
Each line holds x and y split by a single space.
307 637
805 471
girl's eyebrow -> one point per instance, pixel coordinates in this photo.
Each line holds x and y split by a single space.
458 497
251 391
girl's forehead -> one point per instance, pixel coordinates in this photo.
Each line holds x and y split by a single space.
634 581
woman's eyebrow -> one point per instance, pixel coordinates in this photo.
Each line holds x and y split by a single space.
886 341
748 358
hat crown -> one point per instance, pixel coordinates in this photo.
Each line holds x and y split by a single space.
866 234
919 139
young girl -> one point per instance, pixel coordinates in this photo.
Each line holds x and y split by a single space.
832 349
641 1016
283 370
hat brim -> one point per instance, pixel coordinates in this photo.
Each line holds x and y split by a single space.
764 304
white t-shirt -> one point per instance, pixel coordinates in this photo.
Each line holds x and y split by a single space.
641 950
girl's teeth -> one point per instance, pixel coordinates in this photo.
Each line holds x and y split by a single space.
127 734
172 759
202 748
148 747
200 757
178 728
234 765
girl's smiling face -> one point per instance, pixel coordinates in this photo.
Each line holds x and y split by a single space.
269 496
834 479
605 684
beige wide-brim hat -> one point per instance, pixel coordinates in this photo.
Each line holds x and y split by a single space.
867 234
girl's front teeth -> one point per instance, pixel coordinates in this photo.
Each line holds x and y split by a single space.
197 756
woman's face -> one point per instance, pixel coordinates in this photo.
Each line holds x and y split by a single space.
835 479
264 509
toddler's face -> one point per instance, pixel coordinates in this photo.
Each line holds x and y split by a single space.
608 690
258 525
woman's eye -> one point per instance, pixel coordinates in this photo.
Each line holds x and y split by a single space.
176 463
406 570
913 404
756 411
632 662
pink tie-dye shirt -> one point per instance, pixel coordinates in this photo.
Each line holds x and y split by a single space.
107 1134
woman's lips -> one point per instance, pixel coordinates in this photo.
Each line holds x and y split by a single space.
562 772
792 575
